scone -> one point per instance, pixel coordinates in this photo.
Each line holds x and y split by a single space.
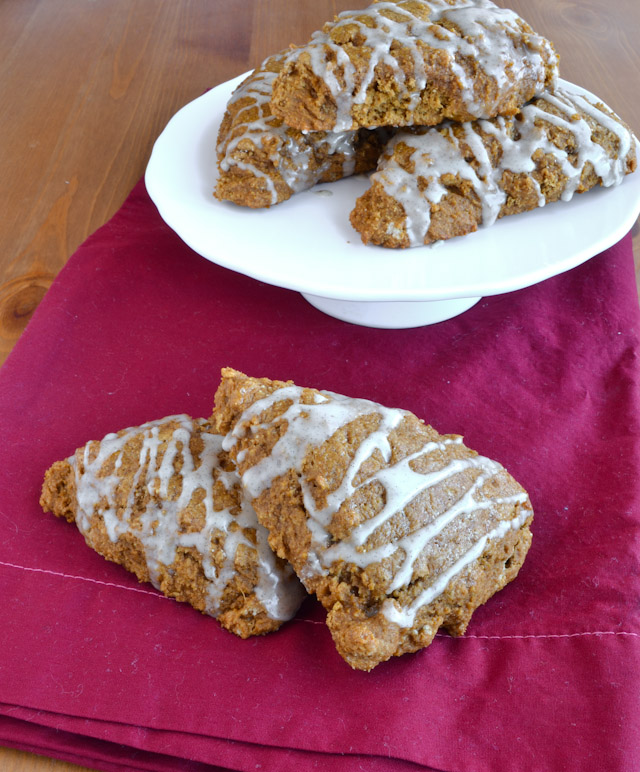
163 501
413 62
398 530
437 183
262 162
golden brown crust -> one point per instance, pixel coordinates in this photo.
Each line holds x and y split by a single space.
58 491
358 595
235 393
363 640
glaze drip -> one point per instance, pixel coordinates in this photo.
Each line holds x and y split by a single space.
495 39
158 528
308 426
522 140
293 156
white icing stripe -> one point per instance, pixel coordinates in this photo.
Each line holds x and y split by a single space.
414 543
402 485
377 440
405 616
324 419
158 529
290 153
487 35
308 427
438 152
599 116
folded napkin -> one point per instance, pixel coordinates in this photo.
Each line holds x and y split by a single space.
100 670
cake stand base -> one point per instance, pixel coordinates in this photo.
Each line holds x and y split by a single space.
391 315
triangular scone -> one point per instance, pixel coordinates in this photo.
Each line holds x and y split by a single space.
413 62
262 162
163 501
397 529
442 182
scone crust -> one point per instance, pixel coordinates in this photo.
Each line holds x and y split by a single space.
413 62
263 162
222 577
371 614
438 183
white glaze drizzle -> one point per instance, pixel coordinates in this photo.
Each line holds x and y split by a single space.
308 427
405 616
486 36
437 152
293 152
159 529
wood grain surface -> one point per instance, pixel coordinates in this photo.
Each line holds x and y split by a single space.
88 86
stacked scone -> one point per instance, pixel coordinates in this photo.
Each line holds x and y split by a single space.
398 530
455 101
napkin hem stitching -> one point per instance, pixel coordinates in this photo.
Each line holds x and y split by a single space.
84 579
160 596
548 635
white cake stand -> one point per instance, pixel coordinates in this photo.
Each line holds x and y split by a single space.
307 243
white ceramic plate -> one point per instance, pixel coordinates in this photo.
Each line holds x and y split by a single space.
307 243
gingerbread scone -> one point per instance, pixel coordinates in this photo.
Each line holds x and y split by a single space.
262 162
398 530
437 183
163 501
413 62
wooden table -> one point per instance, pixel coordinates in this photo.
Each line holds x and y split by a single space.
88 86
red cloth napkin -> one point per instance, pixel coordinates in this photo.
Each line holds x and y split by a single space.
100 670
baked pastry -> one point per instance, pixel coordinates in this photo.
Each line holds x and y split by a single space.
413 62
398 530
262 162
437 183
163 501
